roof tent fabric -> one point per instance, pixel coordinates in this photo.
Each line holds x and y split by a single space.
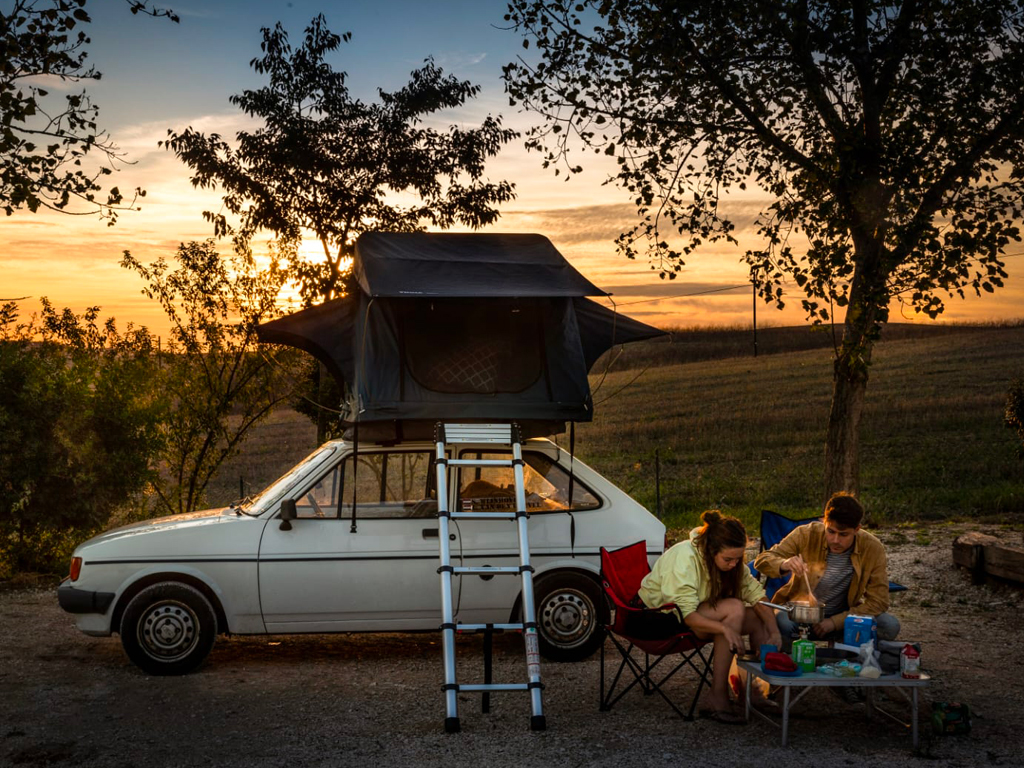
476 343
420 264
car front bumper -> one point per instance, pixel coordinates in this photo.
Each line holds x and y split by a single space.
75 600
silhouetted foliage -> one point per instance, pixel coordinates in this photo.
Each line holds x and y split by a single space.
1015 413
325 163
78 430
43 139
318 397
886 136
214 381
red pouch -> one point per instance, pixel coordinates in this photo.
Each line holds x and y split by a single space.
779 662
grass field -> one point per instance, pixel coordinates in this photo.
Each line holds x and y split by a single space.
743 434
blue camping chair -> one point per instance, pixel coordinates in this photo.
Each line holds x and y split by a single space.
774 528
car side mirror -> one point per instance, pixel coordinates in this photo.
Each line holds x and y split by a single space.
288 514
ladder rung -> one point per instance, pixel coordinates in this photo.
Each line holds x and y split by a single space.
494 687
476 627
478 433
486 569
484 515
479 462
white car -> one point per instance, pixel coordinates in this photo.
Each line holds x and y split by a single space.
170 585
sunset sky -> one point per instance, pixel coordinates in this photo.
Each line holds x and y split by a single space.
160 76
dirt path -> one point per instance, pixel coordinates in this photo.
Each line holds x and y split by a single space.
374 700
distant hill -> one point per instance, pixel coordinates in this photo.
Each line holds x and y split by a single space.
687 345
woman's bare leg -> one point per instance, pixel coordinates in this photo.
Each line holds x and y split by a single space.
729 612
753 626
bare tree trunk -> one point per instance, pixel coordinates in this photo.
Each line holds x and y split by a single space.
842 440
849 386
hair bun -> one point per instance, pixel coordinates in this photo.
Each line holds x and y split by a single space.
711 517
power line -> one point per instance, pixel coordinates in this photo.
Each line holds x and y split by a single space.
728 288
679 295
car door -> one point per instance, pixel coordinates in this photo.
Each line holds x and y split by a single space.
371 568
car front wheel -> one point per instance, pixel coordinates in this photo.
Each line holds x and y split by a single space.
570 608
168 628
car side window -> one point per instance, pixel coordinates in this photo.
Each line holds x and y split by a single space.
386 484
389 484
546 485
322 499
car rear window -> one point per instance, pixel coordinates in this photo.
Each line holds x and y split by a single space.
547 486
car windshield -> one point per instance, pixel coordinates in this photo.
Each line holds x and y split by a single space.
259 503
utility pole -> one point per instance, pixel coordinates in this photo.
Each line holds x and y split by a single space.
753 283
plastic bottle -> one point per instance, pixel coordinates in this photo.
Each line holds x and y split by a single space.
910 662
804 654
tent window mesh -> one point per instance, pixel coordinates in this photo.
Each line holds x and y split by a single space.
461 347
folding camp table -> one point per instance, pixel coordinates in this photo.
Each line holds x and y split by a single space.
810 680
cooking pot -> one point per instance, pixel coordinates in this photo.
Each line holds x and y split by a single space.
801 611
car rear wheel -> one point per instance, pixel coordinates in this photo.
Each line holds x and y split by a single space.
168 628
570 609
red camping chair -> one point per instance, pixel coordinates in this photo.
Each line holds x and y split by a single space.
622 570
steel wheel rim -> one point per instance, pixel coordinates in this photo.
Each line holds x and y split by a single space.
168 630
567 618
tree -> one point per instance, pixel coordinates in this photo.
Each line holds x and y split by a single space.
886 137
325 163
42 146
78 430
215 383
1014 415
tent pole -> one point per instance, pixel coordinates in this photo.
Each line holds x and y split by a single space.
355 472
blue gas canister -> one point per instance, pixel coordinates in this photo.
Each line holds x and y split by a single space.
858 630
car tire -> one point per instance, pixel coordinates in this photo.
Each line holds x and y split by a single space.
168 628
570 611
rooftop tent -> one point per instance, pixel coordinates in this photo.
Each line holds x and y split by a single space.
469 327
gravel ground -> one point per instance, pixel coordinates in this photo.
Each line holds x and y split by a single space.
374 700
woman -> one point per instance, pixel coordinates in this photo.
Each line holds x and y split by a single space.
714 596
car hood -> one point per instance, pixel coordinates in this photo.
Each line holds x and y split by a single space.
164 525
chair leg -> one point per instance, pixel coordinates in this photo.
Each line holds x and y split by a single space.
627 662
702 671
643 676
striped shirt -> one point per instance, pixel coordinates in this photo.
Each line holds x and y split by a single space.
834 586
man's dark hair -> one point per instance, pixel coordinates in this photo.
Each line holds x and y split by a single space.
844 510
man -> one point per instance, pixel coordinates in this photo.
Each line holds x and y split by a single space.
845 568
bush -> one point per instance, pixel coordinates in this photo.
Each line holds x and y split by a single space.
1015 413
77 431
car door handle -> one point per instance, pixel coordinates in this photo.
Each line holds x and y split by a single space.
431 533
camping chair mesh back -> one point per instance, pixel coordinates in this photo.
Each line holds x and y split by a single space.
622 570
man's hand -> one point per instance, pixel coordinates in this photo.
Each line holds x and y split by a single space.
823 628
794 565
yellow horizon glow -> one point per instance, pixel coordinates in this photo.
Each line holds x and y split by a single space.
74 261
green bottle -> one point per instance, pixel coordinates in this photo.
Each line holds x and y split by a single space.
804 654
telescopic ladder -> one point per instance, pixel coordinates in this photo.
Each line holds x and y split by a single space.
498 435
